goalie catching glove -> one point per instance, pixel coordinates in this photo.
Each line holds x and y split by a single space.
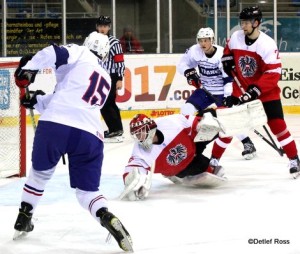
24 78
208 127
192 77
29 100
137 184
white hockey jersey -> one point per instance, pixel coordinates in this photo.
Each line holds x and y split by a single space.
81 90
210 68
176 151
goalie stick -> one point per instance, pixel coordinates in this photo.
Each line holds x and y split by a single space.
272 143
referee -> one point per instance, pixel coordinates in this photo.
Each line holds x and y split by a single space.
115 67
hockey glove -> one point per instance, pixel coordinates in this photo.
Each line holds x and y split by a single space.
137 184
192 77
228 64
253 92
229 101
207 128
24 78
29 101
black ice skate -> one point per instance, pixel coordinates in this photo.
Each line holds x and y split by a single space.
249 150
295 167
116 228
23 223
113 137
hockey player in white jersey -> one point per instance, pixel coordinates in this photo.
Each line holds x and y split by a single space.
69 124
212 85
168 143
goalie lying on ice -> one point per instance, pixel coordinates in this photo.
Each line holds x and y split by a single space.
172 144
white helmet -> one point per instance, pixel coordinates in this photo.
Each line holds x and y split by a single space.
98 43
206 32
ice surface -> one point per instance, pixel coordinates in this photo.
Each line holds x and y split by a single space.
260 201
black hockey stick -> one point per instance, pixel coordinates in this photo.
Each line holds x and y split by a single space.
215 99
280 150
272 143
27 94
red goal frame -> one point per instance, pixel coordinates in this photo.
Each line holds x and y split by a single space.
22 133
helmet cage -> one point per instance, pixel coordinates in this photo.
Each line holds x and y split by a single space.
142 130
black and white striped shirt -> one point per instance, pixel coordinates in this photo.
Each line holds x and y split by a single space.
115 61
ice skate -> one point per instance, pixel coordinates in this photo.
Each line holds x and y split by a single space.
215 168
116 228
295 167
23 223
113 137
249 150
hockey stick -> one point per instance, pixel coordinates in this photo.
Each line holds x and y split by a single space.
272 143
33 120
30 110
215 99
280 150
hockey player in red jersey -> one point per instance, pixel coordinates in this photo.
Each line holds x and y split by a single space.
170 143
252 57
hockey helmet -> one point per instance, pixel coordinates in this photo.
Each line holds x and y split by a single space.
206 32
99 44
251 13
142 130
103 20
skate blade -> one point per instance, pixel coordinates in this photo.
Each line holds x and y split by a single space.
249 156
126 243
296 175
114 140
19 235
108 238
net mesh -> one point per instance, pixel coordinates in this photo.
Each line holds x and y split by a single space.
10 123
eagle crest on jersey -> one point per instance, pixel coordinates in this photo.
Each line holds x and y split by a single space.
248 66
177 155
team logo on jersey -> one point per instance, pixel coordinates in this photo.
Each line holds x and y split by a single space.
248 66
177 155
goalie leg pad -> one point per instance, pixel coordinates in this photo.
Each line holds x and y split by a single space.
241 119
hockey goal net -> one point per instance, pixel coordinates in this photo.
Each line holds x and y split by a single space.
12 124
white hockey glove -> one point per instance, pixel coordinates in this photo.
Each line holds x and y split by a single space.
137 185
207 128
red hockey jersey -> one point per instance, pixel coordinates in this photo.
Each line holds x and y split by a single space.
257 64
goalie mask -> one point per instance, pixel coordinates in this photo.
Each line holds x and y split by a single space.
142 130
99 44
206 32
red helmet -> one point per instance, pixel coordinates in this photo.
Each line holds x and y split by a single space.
142 129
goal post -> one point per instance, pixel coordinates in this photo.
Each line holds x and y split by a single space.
12 124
